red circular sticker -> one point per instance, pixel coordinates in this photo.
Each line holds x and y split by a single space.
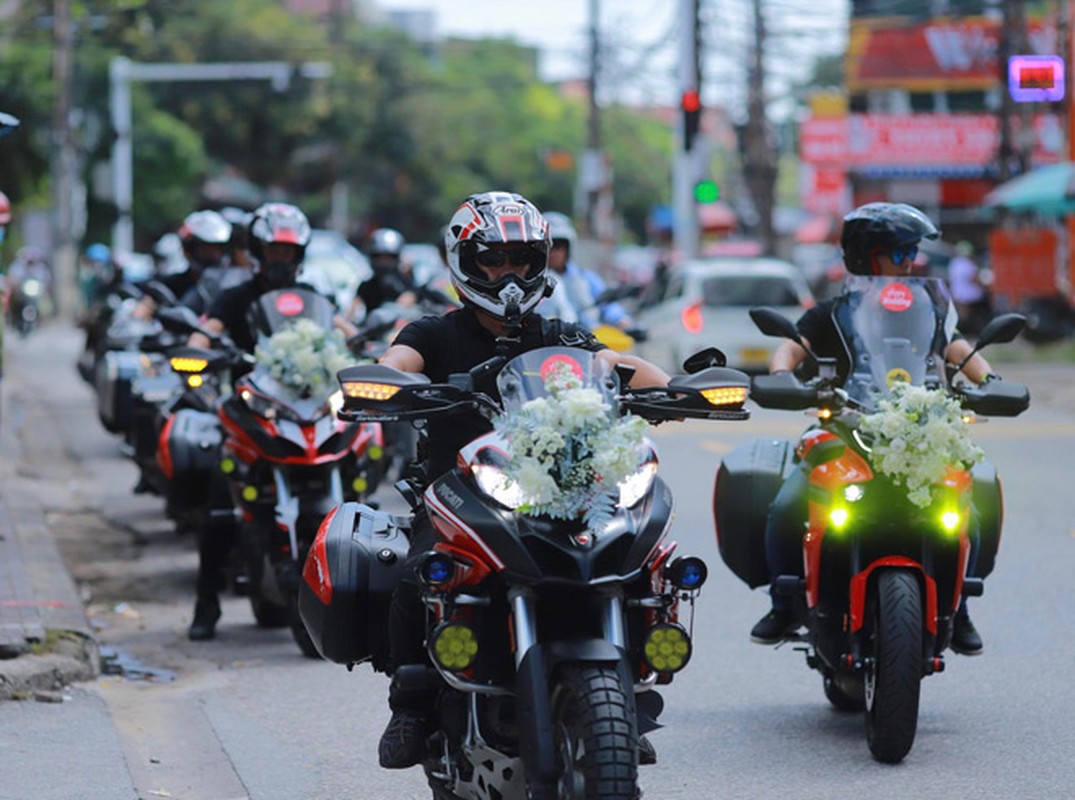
897 297
552 362
289 304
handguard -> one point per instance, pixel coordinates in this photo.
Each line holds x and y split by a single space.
712 393
995 398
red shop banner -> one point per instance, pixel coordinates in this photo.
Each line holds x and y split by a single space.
943 53
862 140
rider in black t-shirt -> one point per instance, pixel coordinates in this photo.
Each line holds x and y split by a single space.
278 236
497 245
877 239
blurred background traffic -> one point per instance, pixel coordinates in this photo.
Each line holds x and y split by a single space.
704 150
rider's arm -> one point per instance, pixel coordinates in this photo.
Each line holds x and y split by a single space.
646 374
403 358
212 325
976 369
788 356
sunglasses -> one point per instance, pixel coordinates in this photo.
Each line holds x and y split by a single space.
901 254
494 259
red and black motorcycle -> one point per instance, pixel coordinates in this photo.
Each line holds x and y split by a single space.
882 576
546 636
288 462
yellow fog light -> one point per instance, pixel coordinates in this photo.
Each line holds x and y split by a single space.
250 493
667 648
950 521
453 645
360 484
363 390
227 466
839 517
375 452
194 381
726 395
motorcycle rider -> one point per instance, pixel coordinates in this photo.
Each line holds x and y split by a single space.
877 239
278 236
5 220
204 236
29 264
577 287
497 245
393 277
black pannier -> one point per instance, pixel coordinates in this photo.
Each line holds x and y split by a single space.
989 508
747 482
350 572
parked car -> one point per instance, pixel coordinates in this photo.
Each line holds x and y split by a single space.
707 304
334 266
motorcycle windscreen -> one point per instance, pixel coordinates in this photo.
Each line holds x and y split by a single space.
277 309
524 377
895 329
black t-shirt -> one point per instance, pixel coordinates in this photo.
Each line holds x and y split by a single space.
179 283
381 289
457 342
231 305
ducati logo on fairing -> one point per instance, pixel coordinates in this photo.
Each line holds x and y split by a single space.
450 497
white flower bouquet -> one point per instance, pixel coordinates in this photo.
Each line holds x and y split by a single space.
304 357
569 450
918 435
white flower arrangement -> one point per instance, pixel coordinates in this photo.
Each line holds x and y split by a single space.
568 451
918 434
304 357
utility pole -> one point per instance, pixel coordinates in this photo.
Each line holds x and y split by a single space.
759 166
685 232
1013 151
64 256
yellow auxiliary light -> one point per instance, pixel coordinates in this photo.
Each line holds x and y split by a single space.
184 364
376 452
950 521
453 645
227 465
726 395
839 517
360 484
194 381
250 493
363 390
667 648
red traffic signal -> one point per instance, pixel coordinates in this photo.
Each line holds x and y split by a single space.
690 101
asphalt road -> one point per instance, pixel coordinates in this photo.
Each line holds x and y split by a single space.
246 716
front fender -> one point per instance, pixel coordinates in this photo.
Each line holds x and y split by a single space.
860 582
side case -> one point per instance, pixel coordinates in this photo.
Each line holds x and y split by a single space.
989 506
353 565
115 371
747 482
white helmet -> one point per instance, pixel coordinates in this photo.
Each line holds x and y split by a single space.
561 229
494 218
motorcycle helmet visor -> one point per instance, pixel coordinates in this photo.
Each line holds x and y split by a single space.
497 258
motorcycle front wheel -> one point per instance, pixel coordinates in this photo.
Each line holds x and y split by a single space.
893 677
596 736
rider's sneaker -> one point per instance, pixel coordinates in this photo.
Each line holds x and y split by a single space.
403 741
206 614
647 753
965 637
774 627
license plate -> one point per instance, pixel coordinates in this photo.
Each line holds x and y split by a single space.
754 356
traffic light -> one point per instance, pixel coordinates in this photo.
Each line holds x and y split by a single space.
691 104
706 191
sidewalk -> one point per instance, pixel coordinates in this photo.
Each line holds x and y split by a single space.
46 641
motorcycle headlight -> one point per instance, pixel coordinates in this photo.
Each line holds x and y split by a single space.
496 484
637 485
31 288
335 403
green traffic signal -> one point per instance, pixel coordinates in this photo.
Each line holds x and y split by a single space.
706 191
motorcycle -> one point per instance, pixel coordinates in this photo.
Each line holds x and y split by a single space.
288 461
883 576
25 305
546 636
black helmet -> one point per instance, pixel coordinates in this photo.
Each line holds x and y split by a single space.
386 242
278 223
879 228
205 235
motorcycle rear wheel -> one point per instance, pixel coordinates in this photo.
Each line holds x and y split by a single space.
596 736
894 677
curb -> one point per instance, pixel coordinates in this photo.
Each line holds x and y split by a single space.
46 640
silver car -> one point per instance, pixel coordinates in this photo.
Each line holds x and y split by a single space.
707 304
